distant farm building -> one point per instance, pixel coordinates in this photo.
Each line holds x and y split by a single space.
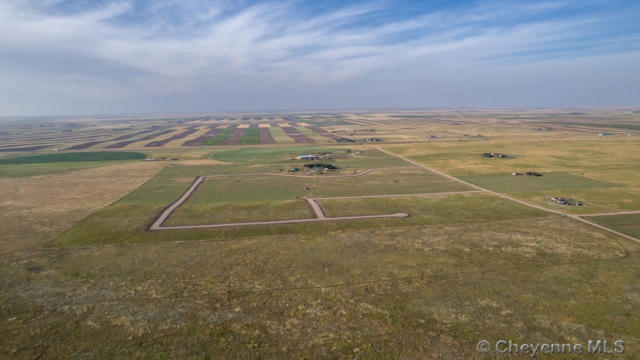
496 155
307 157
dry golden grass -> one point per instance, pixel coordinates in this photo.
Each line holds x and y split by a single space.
34 209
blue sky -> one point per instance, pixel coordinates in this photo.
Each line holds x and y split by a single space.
106 57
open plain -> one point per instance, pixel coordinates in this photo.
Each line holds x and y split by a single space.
207 236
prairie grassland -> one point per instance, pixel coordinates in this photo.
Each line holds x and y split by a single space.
461 268
377 293
435 209
627 223
612 161
35 209
126 220
230 189
193 213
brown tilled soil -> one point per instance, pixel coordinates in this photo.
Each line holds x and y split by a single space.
299 137
265 136
235 136
202 138
28 148
174 137
323 132
122 144
92 143
86 145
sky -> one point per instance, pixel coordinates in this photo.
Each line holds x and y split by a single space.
67 57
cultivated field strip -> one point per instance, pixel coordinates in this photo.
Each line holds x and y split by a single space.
321 131
235 136
265 136
86 145
178 136
296 135
145 138
26 148
97 142
213 130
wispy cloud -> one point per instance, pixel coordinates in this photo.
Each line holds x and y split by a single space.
171 46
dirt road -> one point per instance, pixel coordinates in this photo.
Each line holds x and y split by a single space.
397 195
315 207
164 215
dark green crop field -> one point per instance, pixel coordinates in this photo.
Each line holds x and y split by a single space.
74 157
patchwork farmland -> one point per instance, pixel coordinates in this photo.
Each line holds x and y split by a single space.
317 235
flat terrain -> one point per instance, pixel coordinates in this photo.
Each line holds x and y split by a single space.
483 254
627 223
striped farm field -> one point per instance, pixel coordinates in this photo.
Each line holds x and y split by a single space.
219 137
311 134
251 136
236 135
297 136
121 144
212 131
280 136
180 135
265 136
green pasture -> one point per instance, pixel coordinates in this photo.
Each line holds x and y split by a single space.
74 157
